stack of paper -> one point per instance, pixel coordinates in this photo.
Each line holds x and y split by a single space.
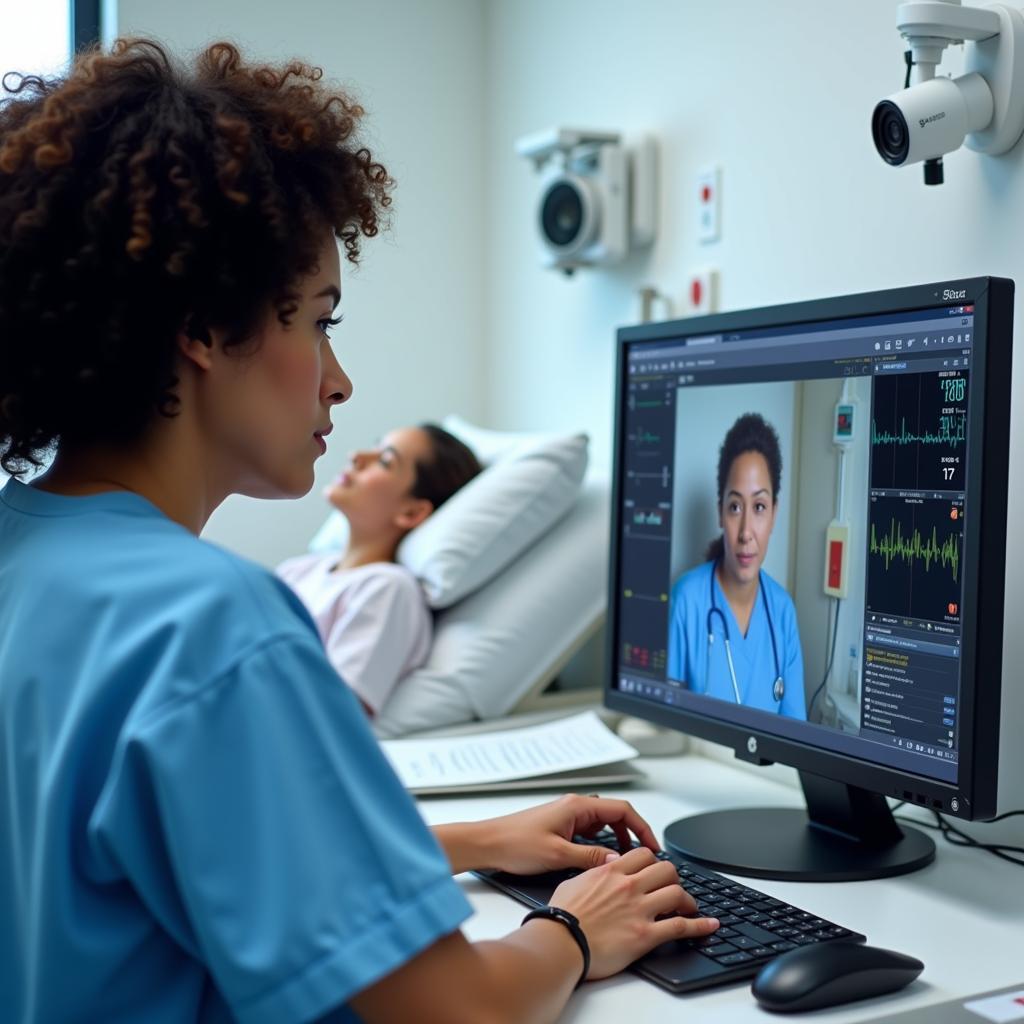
568 752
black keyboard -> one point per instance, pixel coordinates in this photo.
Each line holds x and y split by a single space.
755 927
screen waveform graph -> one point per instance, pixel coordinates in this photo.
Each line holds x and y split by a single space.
915 558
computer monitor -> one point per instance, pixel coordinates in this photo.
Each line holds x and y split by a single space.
808 550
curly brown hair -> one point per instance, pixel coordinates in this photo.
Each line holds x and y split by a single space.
140 197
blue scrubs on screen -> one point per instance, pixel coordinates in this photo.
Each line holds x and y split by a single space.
752 654
196 823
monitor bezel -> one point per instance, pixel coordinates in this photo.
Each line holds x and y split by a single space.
974 794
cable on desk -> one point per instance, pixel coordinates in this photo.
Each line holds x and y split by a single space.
958 838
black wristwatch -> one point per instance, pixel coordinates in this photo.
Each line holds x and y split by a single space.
572 923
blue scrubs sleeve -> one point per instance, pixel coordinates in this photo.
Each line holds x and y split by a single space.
259 821
794 700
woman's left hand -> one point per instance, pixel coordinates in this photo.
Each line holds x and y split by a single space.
540 839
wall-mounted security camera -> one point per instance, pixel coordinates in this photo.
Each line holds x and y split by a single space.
597 198
983 108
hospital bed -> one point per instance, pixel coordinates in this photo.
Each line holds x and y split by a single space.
515 567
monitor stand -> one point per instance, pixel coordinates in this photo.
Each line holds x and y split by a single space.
846 834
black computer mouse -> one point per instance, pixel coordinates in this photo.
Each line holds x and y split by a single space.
827 973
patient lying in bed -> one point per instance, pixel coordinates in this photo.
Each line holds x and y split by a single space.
371 613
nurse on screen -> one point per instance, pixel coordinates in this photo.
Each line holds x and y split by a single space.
732 629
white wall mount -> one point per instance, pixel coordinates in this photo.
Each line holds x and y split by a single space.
983 108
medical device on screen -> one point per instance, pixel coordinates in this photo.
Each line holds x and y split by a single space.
800 480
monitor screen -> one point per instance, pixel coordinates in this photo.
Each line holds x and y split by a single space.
793 558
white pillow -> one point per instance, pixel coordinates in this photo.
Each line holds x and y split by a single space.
516 631
532 482
491 445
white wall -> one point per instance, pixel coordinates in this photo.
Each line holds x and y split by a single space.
781 96
411 340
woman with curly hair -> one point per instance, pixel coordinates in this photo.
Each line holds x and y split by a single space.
195 821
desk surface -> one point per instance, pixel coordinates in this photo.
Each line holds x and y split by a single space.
963 915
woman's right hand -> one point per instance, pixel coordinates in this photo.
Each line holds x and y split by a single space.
618 905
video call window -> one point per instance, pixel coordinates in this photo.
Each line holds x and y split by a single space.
795 530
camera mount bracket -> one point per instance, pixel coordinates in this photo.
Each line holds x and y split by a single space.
562 142
999 59
929 26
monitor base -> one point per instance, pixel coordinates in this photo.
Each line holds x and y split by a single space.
846 834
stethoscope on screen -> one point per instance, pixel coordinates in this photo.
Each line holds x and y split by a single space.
779 687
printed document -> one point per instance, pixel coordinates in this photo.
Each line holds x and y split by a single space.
581 741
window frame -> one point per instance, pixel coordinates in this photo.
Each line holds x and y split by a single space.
85 24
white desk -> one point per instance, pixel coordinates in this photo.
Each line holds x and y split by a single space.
963 916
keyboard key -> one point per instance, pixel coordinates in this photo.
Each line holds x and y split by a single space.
760 936
725 949
735 958
725 931
728 919
742 942
760 952
783 947
804 940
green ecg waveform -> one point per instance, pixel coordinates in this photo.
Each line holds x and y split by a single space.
894 545
952 431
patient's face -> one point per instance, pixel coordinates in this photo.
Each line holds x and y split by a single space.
747 516
374 490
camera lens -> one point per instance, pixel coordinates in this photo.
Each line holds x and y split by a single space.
889 128
561 214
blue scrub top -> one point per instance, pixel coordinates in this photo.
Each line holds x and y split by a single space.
752 654
196 823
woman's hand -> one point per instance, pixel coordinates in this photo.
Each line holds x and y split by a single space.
540 839
622 908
